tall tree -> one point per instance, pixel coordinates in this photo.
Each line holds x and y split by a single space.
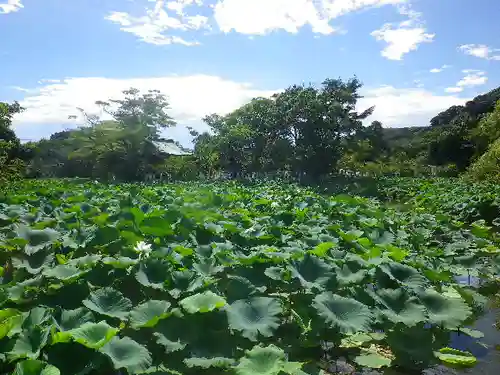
124 146
318 123
12 153
303 129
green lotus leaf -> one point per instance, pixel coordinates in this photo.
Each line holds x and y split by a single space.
29 343
71 319
153 273
171 333
239 287
261 360
63 272
85 261
395 253
399 307
156 226
350 273
184 282
346 314
35 367
351 235
105 235
322 249
36 239
120 262
448 311
34 263
149 313
407 343
36 316
128 354
255 315
311 272
17 291
208 267
169 345
91 335
10 320
293 368
372 359
110 302
402 275
472 332
359 339
456 357
160 370
275 273
219 362
202 302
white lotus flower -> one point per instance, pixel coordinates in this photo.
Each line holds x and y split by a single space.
143 248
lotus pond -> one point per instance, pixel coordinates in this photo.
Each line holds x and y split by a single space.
232 279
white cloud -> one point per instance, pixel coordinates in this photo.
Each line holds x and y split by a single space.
398 107
251 17
401 40
481 50
473 77
190 97
156 26
11 6
259 17
454 89
439 70
403 37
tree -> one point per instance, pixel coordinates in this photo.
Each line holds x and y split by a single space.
488 129
487 167
303 129
12 154
205 153
320 122
123 148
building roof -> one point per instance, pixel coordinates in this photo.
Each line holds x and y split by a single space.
170 148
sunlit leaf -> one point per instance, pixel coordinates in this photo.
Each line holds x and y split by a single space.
35 367
149 313
91 335
456 357
202 302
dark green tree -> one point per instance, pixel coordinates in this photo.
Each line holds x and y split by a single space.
123 148
13 154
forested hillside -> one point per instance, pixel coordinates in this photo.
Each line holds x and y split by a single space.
303 132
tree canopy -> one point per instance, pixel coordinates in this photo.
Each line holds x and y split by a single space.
12 153
306 132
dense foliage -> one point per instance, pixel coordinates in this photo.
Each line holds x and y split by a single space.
457 136
305 133
12 153
465 201
303 130
228 279
121 148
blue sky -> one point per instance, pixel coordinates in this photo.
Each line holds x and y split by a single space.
415 57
